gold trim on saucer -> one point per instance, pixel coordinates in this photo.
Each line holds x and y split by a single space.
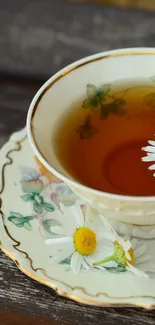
17 244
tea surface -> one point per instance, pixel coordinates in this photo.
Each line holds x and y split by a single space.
99 142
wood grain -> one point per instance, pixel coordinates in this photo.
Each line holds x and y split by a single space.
39 44
22 298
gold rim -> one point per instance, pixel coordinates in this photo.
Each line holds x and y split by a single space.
17 244
64 73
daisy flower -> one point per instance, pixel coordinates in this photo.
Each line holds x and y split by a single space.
84 242
129 254
150 154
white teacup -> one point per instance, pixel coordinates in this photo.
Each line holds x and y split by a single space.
57 95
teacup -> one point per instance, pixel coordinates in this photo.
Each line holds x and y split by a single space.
57 95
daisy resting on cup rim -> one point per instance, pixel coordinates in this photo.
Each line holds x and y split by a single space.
94 244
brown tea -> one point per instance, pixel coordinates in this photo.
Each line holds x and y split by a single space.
100 141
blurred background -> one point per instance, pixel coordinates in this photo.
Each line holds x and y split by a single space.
39 37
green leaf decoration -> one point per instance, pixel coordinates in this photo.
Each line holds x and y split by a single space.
66 261
150 100
86 103
47 224
104 89
16 221
94 102
104 113
37 207
27 226
48 206
120 102
40 198
28 218
27 197
91 103
15 214
87 129
91 91
118 269
20 221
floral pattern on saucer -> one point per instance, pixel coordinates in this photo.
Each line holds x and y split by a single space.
85 252
23 232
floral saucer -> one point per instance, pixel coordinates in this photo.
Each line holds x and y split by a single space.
33 207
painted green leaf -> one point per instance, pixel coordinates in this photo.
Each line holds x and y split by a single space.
48 206
15 214
47 224
87 129
86 103
37 207
66 261
91 91
28 218
94 102
40 199
105 89
20 221
27 226
91 102
150 100
27 197
118 269
16 221
104 114
120 102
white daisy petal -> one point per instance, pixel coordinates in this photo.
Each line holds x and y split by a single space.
107 224
65 253
143 258
149 149
104 247
88 213
152 167
126 245
152 143
85 264
77 214
140 251
58 230
76 262
61 240
136 271
100 267
149 157
134 242
111 264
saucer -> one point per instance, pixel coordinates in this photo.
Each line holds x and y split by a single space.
25 223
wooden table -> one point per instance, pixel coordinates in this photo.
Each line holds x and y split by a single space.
33 46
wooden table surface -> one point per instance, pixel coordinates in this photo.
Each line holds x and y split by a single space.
33 45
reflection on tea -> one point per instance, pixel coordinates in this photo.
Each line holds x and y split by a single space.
99 142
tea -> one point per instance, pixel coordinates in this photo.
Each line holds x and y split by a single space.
100 141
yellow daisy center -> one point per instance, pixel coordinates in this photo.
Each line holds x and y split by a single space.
119 251
85 241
